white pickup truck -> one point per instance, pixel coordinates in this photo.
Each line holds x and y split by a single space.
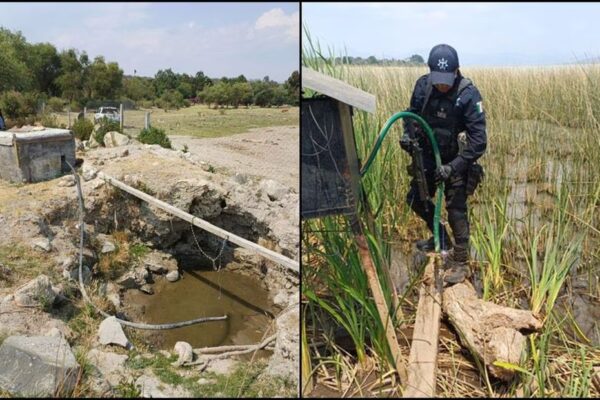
112 113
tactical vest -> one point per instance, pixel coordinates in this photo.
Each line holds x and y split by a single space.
439 112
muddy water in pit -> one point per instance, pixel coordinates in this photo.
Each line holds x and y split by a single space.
201 293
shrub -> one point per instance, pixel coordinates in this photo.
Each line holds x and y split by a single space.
16 105
82 128
171 99
106 125
56 104
155 136
50 121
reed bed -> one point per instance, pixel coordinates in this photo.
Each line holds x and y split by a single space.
534 231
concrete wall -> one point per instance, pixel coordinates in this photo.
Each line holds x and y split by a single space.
45 160
8 165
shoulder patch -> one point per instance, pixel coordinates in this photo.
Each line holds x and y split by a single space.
479 107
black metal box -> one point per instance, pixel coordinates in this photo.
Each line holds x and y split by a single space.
329 170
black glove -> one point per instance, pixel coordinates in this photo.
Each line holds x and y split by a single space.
443 173
405 143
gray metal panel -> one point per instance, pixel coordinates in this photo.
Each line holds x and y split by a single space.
338 90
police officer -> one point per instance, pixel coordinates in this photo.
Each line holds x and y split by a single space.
450 104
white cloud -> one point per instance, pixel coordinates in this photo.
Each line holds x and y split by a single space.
276 21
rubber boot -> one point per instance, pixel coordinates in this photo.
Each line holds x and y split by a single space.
426 245
457 267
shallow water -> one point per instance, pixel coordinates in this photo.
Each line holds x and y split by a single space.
202 293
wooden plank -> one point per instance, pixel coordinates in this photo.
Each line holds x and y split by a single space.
337 89
378 297
200 223
422 361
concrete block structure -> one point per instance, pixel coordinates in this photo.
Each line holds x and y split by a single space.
36 154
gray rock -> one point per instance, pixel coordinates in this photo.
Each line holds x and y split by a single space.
111 332
73 275
147 289
43 244
89 173
37 292
134 279
112 294
151 386
221 366
54 332
115 139
184 352
274 190
67 181
37 366
286 356
204 381
56 325
159 263
108 247
110 365
92 143
281 298
173 276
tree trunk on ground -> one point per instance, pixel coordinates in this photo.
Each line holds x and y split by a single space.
492 332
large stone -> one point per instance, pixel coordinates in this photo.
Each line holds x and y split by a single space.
173 276
184 352
73 275
67 181
108 247
159 263
115 139
88 172
43 244
286 358
221 366
37 292
274 190
93 143
38 366
111 332
110 365
134 279
151 386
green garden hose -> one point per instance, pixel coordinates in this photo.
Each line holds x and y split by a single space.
438 163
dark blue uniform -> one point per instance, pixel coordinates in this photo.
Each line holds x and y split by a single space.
448 114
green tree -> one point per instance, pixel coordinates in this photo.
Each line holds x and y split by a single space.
165 80
70 80
138 88
103 80
44 63
416 59
293 88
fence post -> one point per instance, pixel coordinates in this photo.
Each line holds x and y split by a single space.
121 115
84 112
69 114
147 120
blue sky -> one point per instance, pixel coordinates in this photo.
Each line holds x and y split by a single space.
482 33
226 39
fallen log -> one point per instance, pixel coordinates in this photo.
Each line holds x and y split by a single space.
492 332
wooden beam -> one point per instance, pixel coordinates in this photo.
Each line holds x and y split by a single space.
422 362
378 296
200 223
338 90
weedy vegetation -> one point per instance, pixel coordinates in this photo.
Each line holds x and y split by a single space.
534 232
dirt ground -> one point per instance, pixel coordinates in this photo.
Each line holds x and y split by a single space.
271 153
198 181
